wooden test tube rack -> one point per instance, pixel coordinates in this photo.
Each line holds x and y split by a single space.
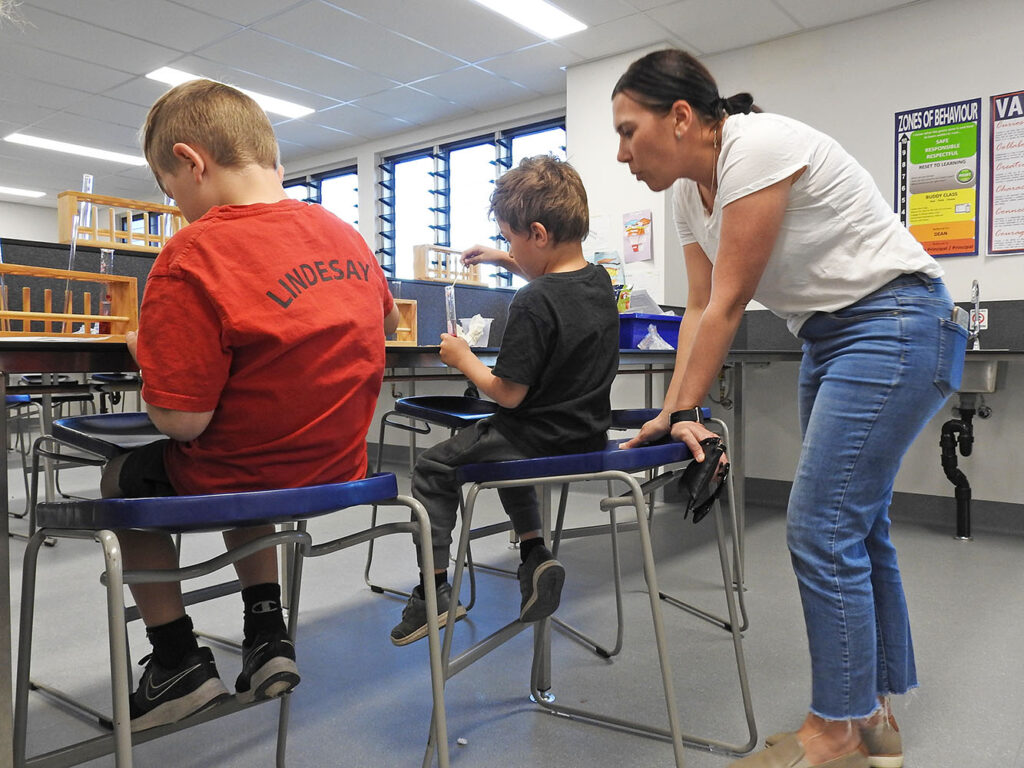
124 304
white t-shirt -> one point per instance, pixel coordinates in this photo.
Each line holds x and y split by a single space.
839 240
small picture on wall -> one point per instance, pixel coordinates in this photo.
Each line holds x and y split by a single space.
636 236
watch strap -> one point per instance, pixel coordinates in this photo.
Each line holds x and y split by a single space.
687 414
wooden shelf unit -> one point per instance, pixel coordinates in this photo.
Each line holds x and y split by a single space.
407 333
56 288
110 223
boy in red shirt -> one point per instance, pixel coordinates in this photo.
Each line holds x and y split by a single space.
261 345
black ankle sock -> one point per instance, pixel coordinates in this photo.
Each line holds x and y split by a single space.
262 610
439 579
527 546
172 642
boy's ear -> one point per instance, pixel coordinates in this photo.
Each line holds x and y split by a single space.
539 233
191 158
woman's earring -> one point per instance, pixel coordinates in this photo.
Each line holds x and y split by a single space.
679 135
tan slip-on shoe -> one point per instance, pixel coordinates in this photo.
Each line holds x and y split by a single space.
882 741
788 752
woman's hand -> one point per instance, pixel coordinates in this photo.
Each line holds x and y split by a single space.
481 254
655 429
691 433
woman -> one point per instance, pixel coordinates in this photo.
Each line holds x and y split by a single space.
769 209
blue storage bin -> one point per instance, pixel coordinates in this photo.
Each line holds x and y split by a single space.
633 328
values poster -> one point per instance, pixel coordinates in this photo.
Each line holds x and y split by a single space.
636 236
1006 194
937 163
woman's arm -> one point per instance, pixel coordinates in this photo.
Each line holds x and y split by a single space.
750 226
698 275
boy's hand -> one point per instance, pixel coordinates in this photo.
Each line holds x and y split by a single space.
481 254
454 350
131 339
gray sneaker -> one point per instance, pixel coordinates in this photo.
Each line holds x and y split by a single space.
882 741
413 625
540 581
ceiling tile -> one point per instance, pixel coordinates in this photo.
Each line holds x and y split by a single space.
370 47
283 63
461 28
474 88
102 108
595 12
813 13
48 67
539 68
81 40
711 24
608 39
245 12
242 78
26 91
92 133
158 21
311 136
412 106
356 120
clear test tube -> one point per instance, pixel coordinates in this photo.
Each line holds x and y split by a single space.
449 310
106 268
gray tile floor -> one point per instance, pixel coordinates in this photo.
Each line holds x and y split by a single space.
365 703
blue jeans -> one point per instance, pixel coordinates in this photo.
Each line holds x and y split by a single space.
872 376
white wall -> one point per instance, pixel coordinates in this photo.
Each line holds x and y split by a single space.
28 222
849 81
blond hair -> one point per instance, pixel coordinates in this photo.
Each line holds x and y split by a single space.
229 125
546 190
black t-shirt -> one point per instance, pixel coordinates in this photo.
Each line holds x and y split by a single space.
561 340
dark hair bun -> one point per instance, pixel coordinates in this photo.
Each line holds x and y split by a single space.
740 103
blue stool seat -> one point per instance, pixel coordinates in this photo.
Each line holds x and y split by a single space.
612 458
15 400
448 411
215 511
107 434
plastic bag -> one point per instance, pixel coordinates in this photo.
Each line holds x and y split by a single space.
476 330
653 340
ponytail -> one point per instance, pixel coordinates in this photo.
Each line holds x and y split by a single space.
661 78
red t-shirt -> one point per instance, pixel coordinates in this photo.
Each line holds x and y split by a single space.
272 317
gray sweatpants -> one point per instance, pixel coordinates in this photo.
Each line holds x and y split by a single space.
434 484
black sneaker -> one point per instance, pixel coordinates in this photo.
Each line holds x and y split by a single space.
540 582
168 695
414 616
268 668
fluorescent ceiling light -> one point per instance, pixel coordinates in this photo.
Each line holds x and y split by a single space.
538 16
21 192
174 77
74 149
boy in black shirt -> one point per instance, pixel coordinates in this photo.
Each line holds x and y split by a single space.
552 380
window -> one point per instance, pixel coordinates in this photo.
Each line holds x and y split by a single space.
339 194
336 190
441 195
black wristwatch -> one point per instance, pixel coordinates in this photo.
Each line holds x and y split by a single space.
687 414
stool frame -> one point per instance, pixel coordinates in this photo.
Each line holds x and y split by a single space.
635 496
60 520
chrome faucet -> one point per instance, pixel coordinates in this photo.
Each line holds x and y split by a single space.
975 328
